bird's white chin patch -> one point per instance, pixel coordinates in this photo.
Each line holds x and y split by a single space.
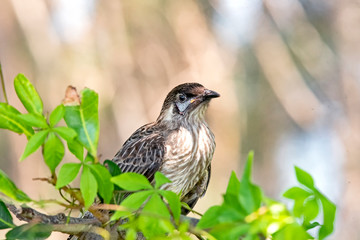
168 115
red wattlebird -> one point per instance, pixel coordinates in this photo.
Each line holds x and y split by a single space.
178 144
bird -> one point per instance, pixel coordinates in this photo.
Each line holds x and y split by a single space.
179 144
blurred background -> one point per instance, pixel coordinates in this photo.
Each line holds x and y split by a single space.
287 72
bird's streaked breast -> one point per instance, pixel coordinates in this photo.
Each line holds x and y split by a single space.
188 154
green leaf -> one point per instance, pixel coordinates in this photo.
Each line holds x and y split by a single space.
160 180
67 174
68 134
133 202
233 230
9 119
174 202
155 218
34 143
8 188
112 167
30 231
56 115
250 194
233 185
291 231
156 206
6 220
102 175
84 120
311 209
329 211
88 186
299 195
232 195
28 95
114 170
296 193
304 178
210 217
312 225
34 120
219 214
77 149
89 158
132 181
53 151
248 167
233 201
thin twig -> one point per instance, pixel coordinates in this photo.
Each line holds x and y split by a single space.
3 84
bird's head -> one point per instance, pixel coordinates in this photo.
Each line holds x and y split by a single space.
188 100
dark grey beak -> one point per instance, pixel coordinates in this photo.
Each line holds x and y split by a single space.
210 94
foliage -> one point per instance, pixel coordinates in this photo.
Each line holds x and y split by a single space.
245 213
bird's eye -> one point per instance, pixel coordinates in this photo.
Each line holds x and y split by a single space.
182 97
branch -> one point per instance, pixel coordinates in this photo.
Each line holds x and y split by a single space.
28 214
89 225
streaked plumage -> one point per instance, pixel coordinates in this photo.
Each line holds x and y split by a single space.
179 144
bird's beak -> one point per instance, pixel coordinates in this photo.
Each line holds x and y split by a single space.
210 94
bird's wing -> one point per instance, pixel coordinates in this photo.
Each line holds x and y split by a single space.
142 153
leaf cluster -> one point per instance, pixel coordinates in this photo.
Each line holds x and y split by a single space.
247 213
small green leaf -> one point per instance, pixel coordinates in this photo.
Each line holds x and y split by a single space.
304 178
9 119
132 203
233 201
68 134
102 175
112 167
88 186
84 120
160 180
132 181
77 149
114 170
56 115
232 230
34 143
30 231
53 151
6 220
67 174
156 206
34 120
248 167
250 194
232 195
219 214
329 211
312 225
311 209
210 217
28 95
173 201
8 188
89 158
155 218
233 185
291 231
296 193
